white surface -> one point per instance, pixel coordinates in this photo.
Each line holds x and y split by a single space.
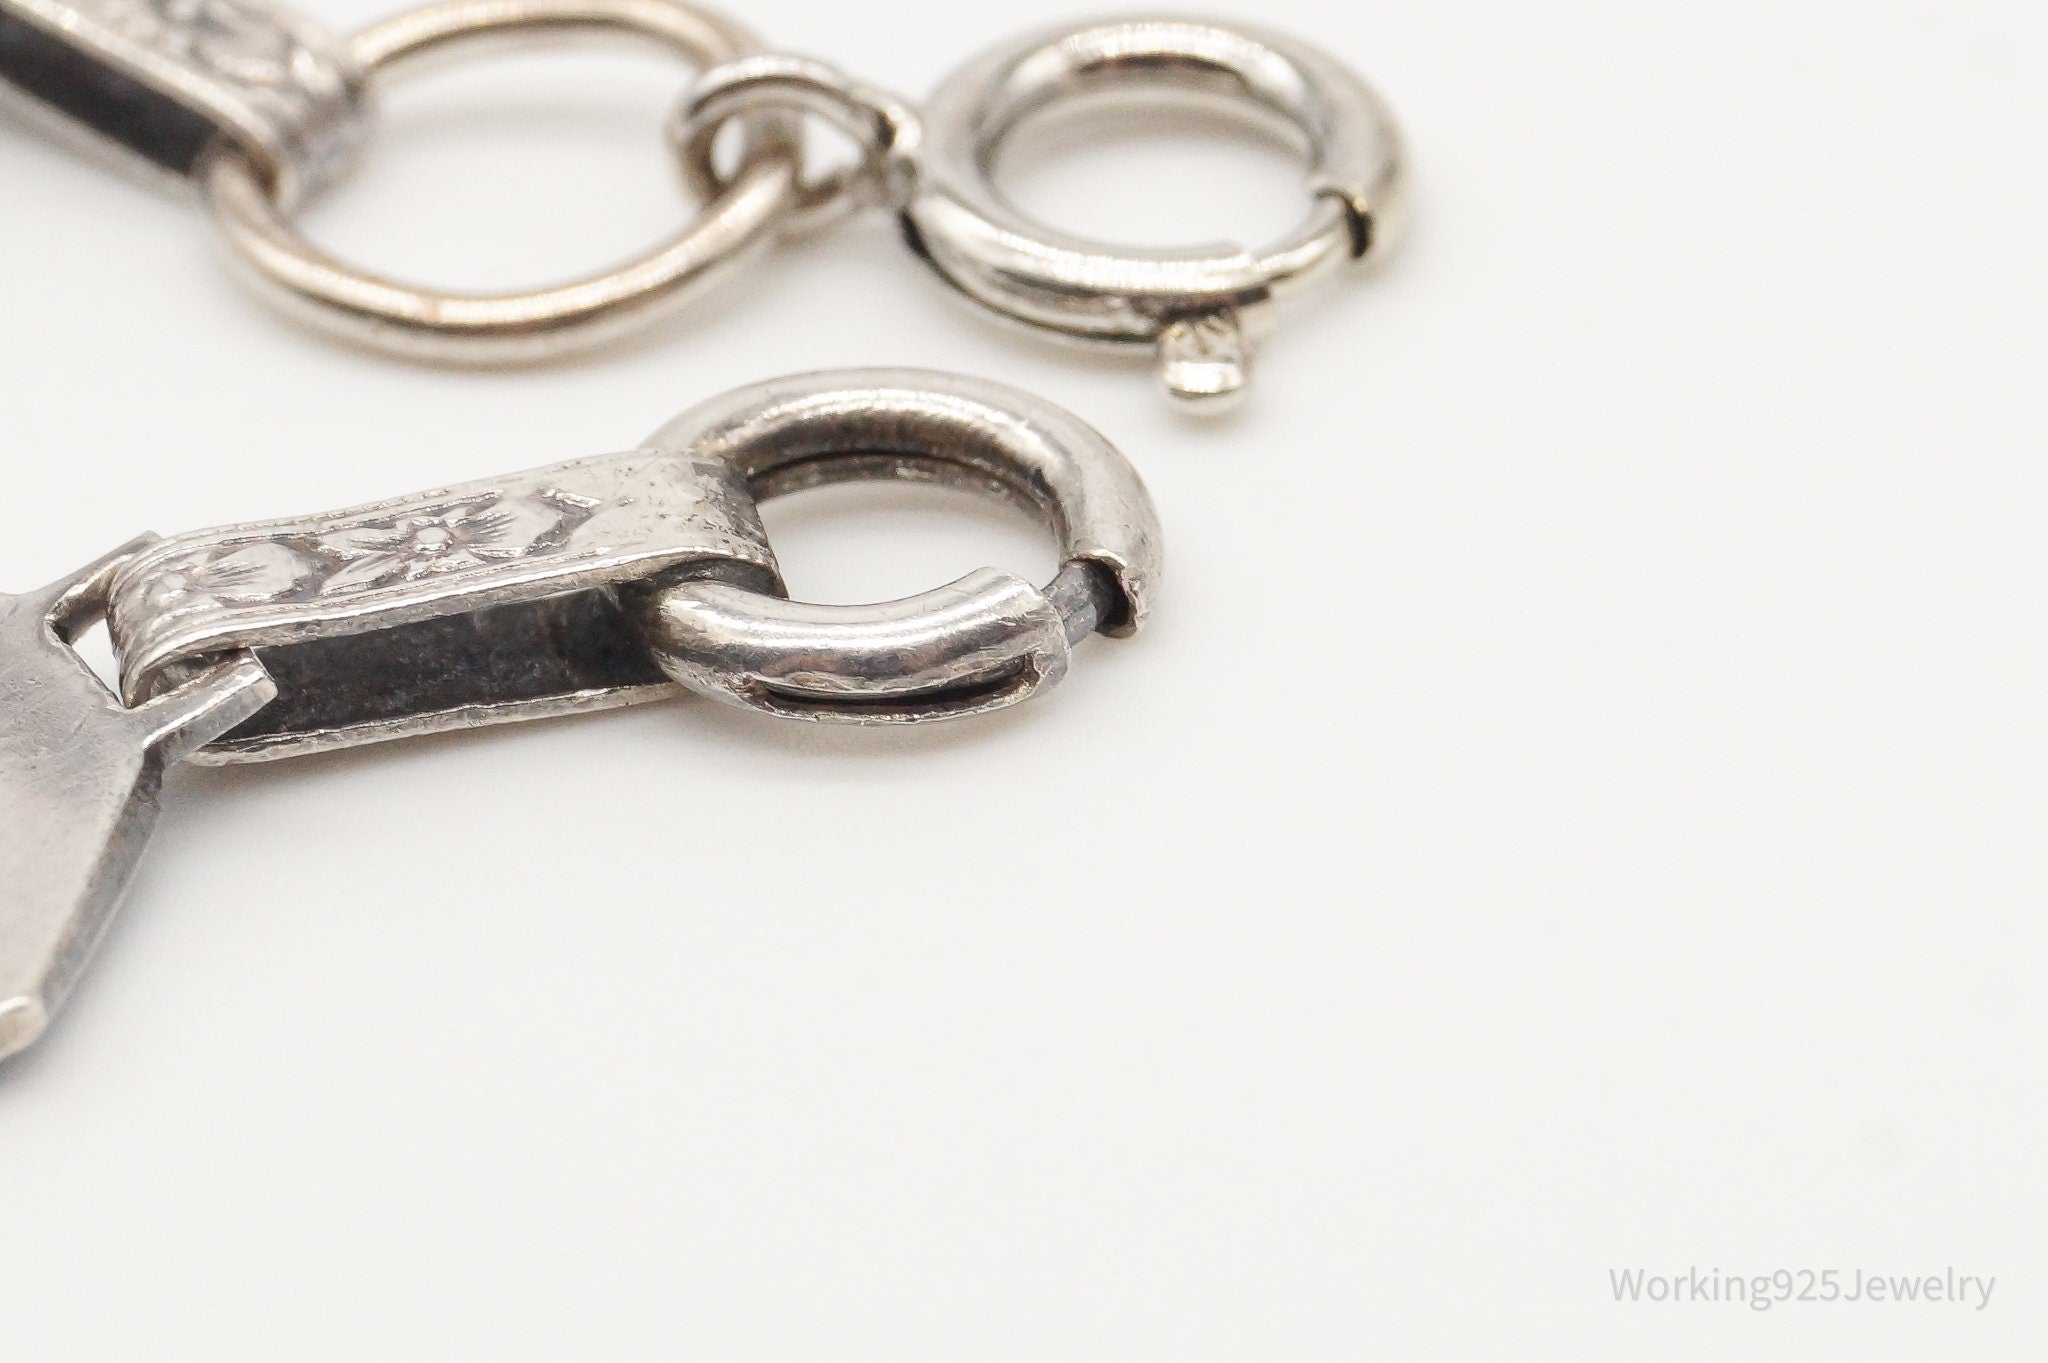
1580 808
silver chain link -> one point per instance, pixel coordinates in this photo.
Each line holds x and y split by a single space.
257 108
580 586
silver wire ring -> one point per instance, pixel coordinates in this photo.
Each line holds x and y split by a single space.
888 132
1200 307
425 324
985 641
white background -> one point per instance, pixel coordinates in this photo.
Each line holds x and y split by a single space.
1580 808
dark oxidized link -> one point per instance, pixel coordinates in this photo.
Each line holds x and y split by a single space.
480 604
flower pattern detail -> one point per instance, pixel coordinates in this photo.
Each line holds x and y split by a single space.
255 573
453 553
235 43
467 534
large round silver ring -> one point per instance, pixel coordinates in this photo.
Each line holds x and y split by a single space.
985 641
1199 308
456 328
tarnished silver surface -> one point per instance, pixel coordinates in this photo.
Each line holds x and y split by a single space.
173 81
1200 308
436 326
985 641
578 586
78 786
479 604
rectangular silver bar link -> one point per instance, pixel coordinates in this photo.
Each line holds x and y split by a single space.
165 80
478 604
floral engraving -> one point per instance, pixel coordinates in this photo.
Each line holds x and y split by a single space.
571 527
491 528
234 575
239 43
365 554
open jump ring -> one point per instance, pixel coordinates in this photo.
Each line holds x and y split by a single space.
985 641
425 324
887 131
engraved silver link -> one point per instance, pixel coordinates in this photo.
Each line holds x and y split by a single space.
574 587
887 131
170 82
593 583
481 604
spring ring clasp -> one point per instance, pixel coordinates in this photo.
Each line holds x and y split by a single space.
254 135
1201 309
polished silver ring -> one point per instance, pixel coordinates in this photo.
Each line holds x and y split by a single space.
985 641
1200 309
442 327
887 131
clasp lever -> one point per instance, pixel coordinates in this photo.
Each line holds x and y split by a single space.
79 776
